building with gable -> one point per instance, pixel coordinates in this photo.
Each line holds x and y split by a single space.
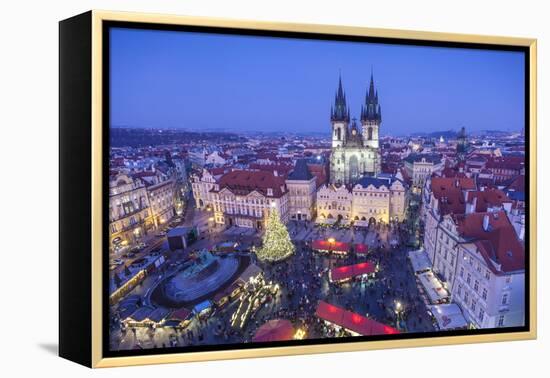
302 188
244 198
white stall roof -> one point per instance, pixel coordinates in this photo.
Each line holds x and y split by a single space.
448 316
420 261
433 287
320 220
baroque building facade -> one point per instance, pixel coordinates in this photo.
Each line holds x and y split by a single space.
355 148
244 198
474 249
130 216
371 199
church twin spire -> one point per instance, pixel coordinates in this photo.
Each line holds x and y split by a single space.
370 111
340 110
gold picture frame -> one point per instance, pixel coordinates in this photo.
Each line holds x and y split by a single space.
91 24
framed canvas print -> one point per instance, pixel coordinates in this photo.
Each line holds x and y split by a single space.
234 189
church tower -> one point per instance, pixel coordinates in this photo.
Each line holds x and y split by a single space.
462 145
371 116
339 117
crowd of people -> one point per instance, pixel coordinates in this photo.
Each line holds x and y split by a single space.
303 279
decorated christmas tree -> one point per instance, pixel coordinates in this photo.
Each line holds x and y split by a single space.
276 244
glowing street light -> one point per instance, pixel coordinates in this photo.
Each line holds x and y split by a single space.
300 334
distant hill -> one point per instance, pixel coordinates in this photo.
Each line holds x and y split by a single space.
133 137
449 134
452 134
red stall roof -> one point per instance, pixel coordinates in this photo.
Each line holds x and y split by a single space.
181 314
324 245
352 321
274 330
344 272
328 312
361 248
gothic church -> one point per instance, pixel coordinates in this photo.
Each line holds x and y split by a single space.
355 149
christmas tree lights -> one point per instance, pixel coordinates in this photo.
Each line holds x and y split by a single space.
276 244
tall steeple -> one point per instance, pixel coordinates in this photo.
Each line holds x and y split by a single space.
371 110
462 143
340 110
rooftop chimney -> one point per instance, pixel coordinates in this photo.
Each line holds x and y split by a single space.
471 206
486 222
507 206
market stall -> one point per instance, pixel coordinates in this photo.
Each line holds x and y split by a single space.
345 222
420 261
180 318
202 308
330 246
361 223
251 272
231 292
226 247
274 330
346 273
325 221
127 286
360 248
356 324
447 317
158 316
433 287
146 316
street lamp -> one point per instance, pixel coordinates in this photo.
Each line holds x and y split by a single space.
398 306
398 311
331 242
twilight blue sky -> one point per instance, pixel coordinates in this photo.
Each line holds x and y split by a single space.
169 79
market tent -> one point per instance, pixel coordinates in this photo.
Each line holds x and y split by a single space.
228 246
360 248
420 261
325 245
330 313
251 271
141 314
365 326
352 321
274 330
328 221
433 287
181 314
361 223
345 272
158 315
202 307
448 316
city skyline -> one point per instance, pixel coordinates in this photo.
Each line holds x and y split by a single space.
244 83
